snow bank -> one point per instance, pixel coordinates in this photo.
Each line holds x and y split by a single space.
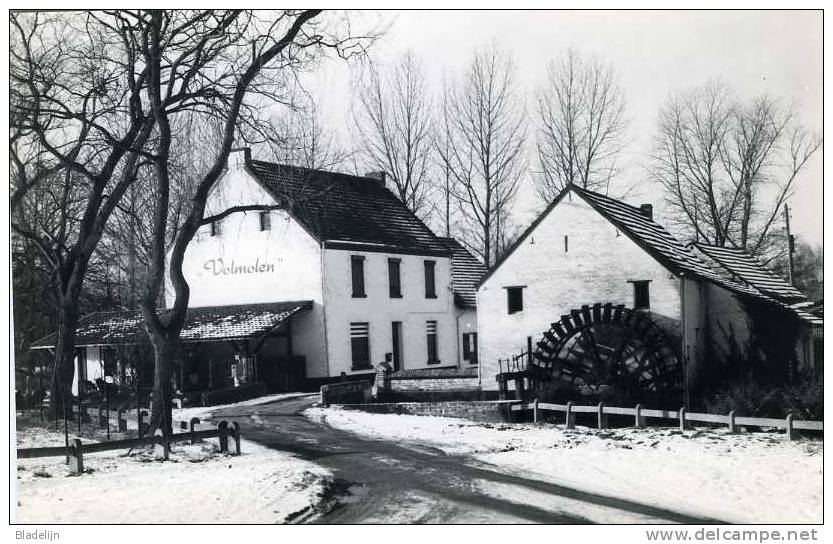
750 478
198 485
205 412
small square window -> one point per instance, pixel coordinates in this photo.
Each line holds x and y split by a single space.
514 299
641 295
265 221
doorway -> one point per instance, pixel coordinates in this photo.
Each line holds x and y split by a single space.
396 337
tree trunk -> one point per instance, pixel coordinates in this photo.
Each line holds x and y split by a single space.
63 367
162 402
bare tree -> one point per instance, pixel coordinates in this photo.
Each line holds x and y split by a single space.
392 119
581 125
76 119
257 60
728 168
484 124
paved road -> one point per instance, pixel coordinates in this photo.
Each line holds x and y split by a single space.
391 482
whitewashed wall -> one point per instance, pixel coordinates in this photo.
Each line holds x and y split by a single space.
596 267
280 264
379 310
94 366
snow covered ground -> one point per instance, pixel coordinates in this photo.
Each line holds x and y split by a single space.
205 412
749 478
198 485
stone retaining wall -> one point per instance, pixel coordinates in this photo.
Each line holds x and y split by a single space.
490 411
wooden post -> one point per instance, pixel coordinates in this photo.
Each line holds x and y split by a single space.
790 433
519 387
103 421
140 420
535 414
193 428
235 435
602 423
682 418
76 457
569 421
732 427
223 436
161 447
638 422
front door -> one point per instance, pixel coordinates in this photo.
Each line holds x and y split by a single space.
396 337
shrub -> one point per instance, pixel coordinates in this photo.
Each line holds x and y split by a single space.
805 399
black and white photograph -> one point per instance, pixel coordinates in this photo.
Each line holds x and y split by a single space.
416 266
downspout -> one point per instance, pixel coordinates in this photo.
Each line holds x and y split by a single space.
684 343
324 311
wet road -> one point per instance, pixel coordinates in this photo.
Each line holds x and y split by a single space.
400 483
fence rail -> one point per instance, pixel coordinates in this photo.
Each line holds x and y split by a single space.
641 414
75 451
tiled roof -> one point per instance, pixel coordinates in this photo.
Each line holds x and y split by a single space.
466 271
205 324
665 248
745 267
681 258
341 208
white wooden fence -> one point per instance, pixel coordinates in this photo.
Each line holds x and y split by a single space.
640 415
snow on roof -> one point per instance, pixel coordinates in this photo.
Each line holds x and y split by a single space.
466 271
745 267
203 324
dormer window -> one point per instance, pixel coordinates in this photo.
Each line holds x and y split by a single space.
215 228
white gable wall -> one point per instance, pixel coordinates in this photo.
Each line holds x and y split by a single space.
246 265
596 267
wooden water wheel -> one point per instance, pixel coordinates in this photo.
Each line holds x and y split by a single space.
611 353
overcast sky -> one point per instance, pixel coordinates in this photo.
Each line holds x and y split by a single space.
654 53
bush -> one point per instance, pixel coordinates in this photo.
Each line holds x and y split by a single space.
805 399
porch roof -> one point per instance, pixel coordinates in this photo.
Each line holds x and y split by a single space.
202 324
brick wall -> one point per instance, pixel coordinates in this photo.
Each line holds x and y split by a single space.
491 411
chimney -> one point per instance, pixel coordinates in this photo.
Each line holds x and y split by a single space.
379 176
647 210
239 157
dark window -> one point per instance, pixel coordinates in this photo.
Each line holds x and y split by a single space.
215 228
431 336
566 244
357 268
470 347
394 281
430 283
396 339
360 345
514 299
641 298
265 221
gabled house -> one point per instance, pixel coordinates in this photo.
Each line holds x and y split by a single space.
588 254
361 278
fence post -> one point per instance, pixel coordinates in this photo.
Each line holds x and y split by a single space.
790 432
103 422
140 420
235 435
193 424
732 427
535 413
161 448
76 457
569 422
602 419
638 423
682 418
222 435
